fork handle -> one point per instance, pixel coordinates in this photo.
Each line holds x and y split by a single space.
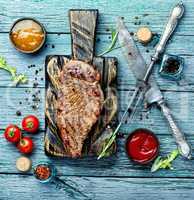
175 16
183 146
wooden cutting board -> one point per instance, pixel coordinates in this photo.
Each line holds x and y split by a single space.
83 28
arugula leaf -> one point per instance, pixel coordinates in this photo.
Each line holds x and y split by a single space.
16 78
114 35
165 163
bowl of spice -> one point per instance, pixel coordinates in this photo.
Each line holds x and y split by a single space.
172 67
142 146
44 172
27 35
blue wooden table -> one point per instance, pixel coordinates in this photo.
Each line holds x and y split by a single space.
116 177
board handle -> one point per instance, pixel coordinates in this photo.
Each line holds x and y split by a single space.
83 28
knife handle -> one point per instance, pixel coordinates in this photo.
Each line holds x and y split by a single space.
176 14
183 146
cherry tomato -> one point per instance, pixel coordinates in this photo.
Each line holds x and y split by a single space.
12 133
25 145
30 123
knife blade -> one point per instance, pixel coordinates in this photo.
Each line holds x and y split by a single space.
130 51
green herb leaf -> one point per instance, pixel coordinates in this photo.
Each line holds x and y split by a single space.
113 34
106 146
165 163
110 142
21 78
111 47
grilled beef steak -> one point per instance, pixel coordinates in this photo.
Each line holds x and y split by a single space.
79 103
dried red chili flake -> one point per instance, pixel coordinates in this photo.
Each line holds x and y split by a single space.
42 172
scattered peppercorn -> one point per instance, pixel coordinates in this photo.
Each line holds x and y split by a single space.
18 113
145 15
36 99
27 91
31 66
34 107
35 85
139 23
141 117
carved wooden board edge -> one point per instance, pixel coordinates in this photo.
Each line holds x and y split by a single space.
83 33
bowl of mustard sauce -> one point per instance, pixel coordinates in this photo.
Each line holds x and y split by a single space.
27 35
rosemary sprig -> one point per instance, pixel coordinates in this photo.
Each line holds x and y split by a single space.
165 163
114 35
110 142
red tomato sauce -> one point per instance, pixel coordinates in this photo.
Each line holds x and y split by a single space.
142 146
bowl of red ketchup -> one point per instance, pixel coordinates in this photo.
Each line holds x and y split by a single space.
142 146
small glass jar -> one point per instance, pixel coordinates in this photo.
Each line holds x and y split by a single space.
44 172
172 67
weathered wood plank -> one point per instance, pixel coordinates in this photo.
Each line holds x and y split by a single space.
61 45
26 187
27 101
117 165
10 99
53 14
83 32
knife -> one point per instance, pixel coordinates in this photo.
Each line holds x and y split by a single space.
154 95
143 72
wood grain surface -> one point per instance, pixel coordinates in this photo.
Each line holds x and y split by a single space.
83 32
116 177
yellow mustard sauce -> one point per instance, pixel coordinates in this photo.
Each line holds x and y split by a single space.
27 35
